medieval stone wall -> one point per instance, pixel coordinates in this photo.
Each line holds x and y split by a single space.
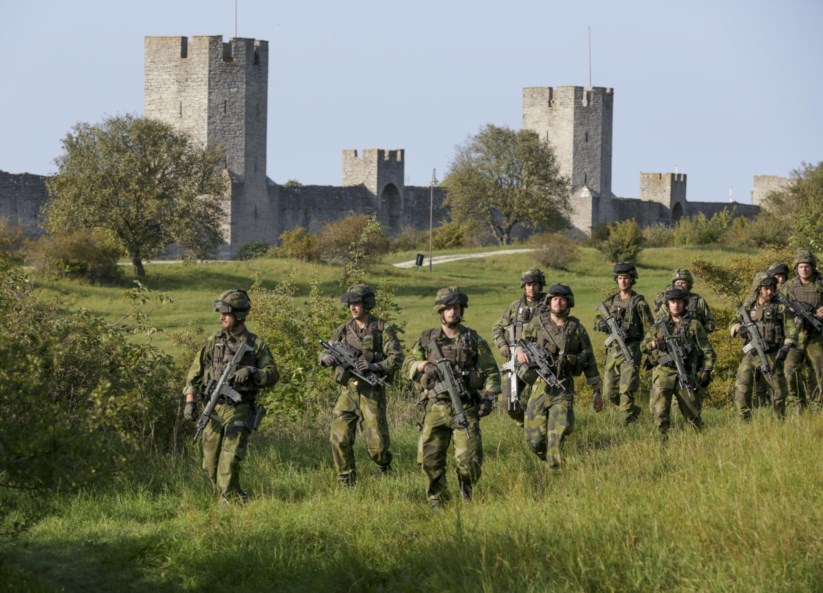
22 196
766 184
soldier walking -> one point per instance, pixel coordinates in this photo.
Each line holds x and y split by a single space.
689 342
777 333
377 350
696 305
509 329
226 435
550 413
633 318
452 346
807 288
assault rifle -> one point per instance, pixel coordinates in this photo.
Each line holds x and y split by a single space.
542 362
221 387
675 354
803 310
453 386
616 334
513 395
346 356
755 342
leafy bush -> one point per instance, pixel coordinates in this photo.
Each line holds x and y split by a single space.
449 236
624 241
299 243
79 402
84 255
254 250
765 230
554 250
409 239
11 241
355 239
701 230
658 235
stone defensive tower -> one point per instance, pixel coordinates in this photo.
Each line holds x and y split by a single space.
577 122
382 173
668 189
218 93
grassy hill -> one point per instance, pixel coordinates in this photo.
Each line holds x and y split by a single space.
735 508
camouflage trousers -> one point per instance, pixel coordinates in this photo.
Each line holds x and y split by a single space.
750 378
224 447
368 410
549 420
802 393
435 435
665 387
621 380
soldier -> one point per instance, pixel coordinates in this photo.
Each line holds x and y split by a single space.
509 329
550 413
225 440
358 401
621 377
696 305
780 271
806 287
698 360
472 363
778 333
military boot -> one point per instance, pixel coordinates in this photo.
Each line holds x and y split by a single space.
386 470
348 480
632 416
465 488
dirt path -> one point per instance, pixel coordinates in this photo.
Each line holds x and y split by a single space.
444 259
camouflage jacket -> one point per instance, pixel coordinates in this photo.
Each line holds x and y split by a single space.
377 342
634 316
218 351
694 341
568 343
697 307
811 293
776 326
520 312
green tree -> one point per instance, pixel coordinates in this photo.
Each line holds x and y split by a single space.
142 181
801 206
624 242
501 178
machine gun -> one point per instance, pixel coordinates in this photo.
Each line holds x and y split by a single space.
513 395
616 334
755 342
542 362
803 310
453 386
675 354
346 356
221 387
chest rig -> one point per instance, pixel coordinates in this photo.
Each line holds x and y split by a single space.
223 352
768 319
626 314
369 340
811 293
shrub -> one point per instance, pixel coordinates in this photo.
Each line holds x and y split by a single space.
355 239
254 250
410 239
624 241
701 230
11 241
449 236
554 250
658 235
85 255
300 243
765 230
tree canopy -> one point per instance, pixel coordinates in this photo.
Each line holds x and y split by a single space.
142 181
500 178
801 206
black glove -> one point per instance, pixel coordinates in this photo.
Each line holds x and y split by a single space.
190 411
705 378
244 374
783 353
362 366
327 360
431 372
486 405
743 333
603 326
660 343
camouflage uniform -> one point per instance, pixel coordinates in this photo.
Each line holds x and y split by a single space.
809 342
472 361
516 316
224 445
620 379
699 358
550 413
359 402
777 329
696 305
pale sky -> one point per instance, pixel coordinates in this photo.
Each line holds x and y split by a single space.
719 90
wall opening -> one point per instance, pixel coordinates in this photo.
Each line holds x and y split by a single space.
677 212
390 209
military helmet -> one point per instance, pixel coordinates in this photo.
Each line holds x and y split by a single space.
360 293
625 268
451 295
235 301
778 268
563 290
805 256
759 278
532 275
675 294
683 274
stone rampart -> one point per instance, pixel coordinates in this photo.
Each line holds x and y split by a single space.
22 197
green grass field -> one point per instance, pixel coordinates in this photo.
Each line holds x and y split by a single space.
735 508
